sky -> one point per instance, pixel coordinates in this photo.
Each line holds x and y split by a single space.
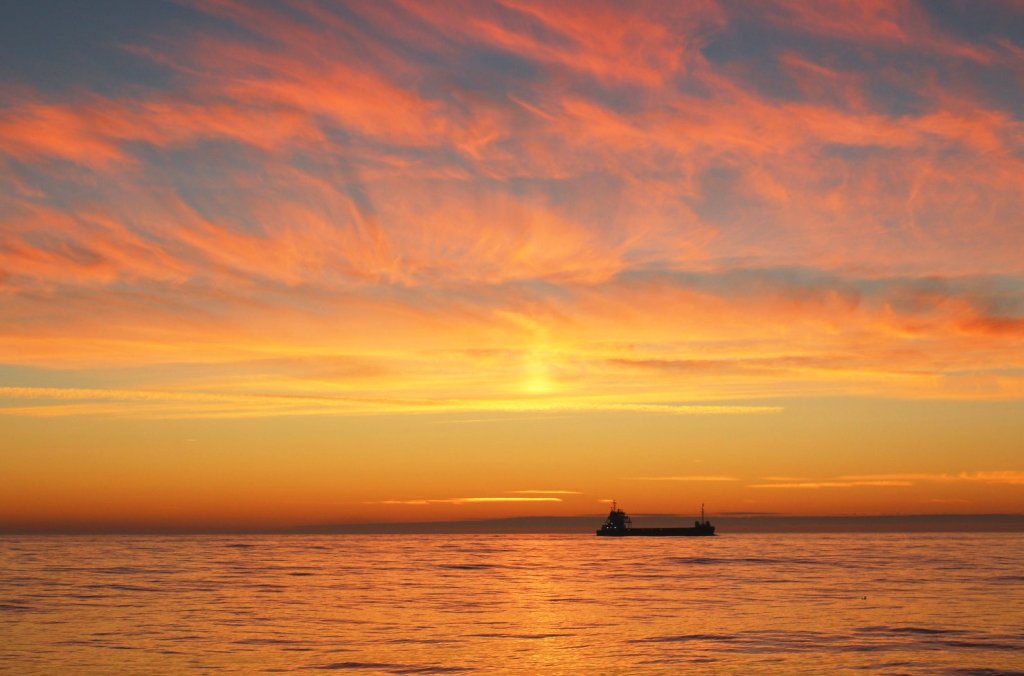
294 263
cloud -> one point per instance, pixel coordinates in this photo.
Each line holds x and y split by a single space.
522 207
1013 477
685 478
460 501
1008 477
52 402
904 26
832 484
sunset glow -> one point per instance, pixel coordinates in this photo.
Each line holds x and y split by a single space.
276 264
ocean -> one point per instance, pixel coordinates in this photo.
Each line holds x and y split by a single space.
532 604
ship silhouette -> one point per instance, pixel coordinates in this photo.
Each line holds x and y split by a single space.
618 524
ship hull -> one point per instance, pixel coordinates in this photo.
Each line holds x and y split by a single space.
656 532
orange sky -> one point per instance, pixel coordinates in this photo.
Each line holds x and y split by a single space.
413 261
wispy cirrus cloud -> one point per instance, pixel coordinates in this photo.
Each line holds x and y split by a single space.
136 403
462 501
694 477
605 197
1006 477
990 477
834 484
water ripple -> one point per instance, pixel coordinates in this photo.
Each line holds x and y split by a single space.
521 604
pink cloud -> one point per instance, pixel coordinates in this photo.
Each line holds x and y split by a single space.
515 175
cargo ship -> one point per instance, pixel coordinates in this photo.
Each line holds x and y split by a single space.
619 524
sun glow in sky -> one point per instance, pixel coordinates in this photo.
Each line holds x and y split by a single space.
284 263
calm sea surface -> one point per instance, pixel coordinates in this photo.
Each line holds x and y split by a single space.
419 604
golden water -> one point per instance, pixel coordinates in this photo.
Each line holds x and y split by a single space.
513 603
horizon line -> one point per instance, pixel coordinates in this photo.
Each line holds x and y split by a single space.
767 520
